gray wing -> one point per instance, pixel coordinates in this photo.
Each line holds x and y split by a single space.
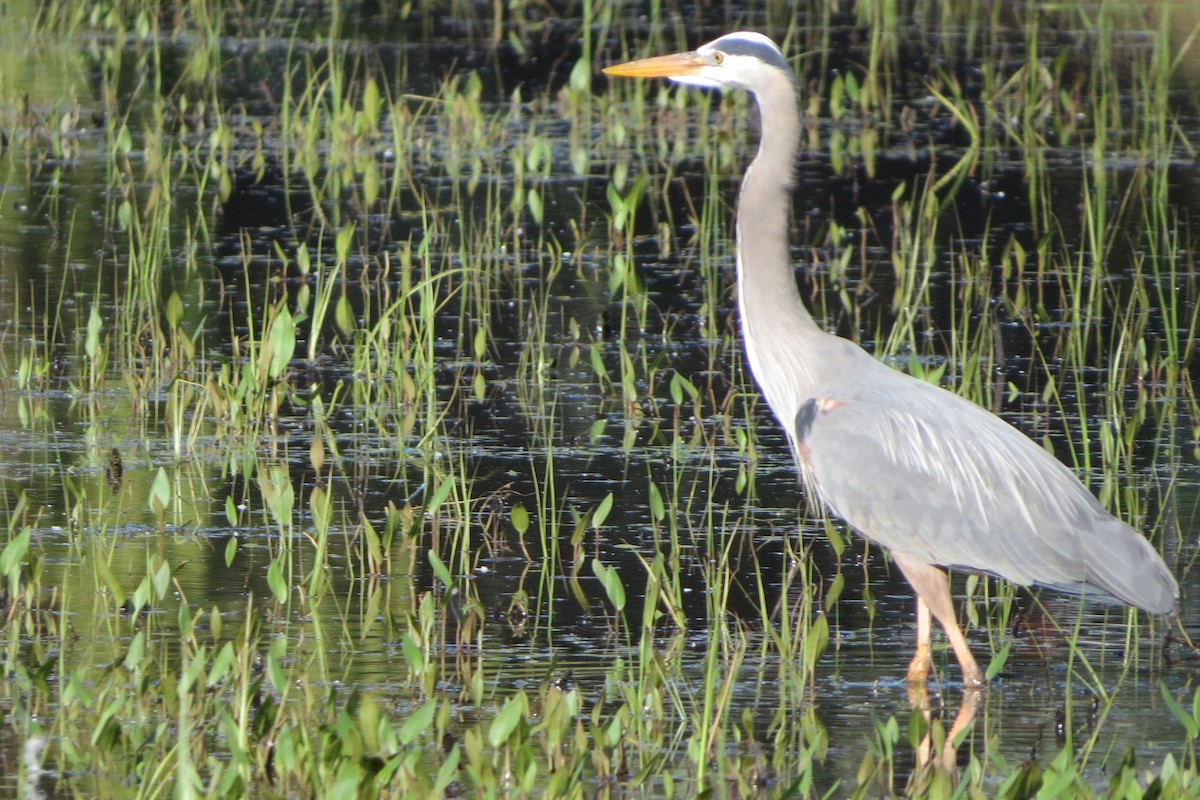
924 472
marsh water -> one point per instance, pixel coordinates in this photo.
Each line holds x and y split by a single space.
529 362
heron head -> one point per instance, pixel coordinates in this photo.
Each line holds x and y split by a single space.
741 60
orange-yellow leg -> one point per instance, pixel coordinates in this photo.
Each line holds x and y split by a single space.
933 597
922 662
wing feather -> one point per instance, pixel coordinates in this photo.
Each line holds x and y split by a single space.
926 473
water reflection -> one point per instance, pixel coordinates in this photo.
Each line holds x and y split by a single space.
939 749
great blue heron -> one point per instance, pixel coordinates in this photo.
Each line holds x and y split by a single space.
937 480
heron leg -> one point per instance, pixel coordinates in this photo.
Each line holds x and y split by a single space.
918 668
934 591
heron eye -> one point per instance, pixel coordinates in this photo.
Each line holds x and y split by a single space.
719 57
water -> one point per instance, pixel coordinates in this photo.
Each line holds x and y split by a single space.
550 314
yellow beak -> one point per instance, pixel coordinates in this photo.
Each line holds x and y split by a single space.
673 66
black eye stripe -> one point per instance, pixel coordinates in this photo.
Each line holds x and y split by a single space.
734 45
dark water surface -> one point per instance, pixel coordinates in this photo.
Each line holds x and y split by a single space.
551 316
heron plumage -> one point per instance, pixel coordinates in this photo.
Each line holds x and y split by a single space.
934 478
909 465
921 471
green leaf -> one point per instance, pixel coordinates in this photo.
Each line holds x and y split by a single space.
91 344
580 79
160 492
835 591
448 772
186 626
372 102
346 785
282 340
439 496
124 141
174 310
105 573
441 570
533 199
817 639
135 653
277 583
507 720
412 654
14 553
602 510
998 661
617 204
480 342
417 723
520 518
679 385
141 595
657 507
344 316
1189 724
275 672
345 238
610 579
221 664
161 580
918 726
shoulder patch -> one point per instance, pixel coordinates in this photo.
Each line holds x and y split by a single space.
808 412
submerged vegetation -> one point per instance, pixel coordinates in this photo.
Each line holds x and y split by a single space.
375 423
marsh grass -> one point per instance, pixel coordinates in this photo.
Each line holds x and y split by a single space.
452 352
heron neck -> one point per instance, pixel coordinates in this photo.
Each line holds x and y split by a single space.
775 323
765 276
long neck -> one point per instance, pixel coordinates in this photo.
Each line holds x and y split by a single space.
777 329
